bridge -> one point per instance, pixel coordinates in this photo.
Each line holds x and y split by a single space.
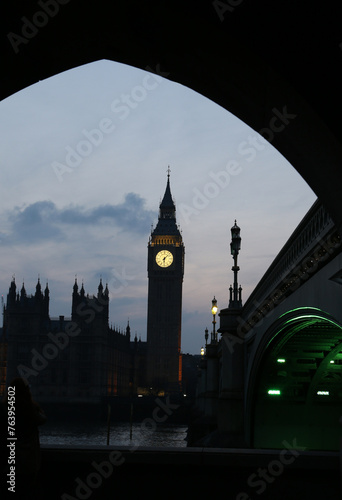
276 372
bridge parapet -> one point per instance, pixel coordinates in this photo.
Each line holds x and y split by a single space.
314 239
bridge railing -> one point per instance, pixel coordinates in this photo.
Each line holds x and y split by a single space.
311 231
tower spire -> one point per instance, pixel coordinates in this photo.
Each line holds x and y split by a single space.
167 206
167 217
100 287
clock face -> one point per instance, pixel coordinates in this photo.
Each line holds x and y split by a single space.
164 258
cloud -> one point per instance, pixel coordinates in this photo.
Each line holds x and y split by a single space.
129 215
34 223
43 220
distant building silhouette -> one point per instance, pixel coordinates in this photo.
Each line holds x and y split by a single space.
77 359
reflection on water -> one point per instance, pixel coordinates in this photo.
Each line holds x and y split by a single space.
143 434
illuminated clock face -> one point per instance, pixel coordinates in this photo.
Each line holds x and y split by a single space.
164 258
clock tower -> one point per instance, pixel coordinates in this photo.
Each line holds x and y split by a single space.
164 311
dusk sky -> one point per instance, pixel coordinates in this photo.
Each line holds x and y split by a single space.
84 166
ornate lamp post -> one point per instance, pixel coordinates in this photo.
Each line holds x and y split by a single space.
235 246
206 337
213 312
232 361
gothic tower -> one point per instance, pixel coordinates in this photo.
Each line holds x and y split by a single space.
26 325
164 314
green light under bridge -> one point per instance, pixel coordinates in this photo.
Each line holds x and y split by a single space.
274 392
281 360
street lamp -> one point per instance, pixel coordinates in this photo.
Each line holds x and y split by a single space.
213 312
206 337
235 246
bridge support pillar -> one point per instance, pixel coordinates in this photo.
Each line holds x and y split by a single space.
231 397
201 386
212 381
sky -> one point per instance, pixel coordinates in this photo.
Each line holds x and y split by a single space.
84 158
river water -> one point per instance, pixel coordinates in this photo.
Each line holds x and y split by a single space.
146 433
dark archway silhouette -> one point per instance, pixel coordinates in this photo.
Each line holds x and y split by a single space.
278 68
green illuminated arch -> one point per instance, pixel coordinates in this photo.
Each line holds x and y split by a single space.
295 384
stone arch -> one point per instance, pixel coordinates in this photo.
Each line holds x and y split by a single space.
287 88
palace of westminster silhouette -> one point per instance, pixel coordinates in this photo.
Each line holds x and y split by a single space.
83 359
